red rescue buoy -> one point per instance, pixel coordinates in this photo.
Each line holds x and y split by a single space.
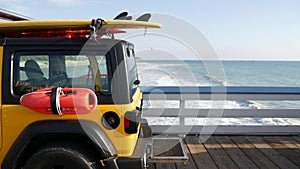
61 101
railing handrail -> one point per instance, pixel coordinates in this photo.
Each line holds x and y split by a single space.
220 90
182 94
227 113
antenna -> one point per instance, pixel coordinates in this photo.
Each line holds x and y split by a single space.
8 15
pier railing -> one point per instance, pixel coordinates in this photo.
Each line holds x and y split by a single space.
186 113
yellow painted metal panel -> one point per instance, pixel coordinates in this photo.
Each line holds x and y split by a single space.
12 128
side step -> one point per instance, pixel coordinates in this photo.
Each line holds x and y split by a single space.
166 150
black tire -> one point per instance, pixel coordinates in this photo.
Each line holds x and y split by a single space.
63 156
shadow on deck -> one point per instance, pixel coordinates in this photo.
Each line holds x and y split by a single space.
240 152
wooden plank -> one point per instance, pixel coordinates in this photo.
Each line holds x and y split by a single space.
289 142
151 166
199 153
296 139
255 155
165 166
220 157
240 159
274 142
272 154
190 164
239 152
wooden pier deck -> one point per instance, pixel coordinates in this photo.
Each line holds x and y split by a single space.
232 152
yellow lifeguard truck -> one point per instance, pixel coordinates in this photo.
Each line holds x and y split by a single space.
59 60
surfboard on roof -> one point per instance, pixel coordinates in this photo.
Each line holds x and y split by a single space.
122 21
36 25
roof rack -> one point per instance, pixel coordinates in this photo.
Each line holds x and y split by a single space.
11 16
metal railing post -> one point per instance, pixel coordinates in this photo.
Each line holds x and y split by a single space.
181 117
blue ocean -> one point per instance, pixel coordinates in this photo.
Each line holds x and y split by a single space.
233 73
230 73
236 73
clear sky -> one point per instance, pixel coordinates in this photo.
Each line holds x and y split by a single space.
238 29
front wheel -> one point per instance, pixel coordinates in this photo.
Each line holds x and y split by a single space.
62 156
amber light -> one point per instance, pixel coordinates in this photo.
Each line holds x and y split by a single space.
51 34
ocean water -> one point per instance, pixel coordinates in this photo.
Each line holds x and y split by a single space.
236 73
224 73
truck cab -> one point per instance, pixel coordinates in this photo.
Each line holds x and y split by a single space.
39 57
